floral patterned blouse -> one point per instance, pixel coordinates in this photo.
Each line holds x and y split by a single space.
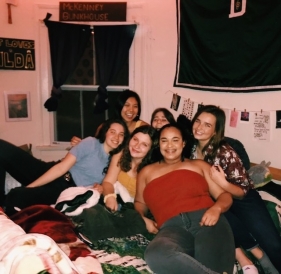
231 164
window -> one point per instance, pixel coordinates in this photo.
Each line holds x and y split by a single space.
74 115
134 75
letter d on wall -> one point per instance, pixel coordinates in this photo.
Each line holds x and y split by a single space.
235 5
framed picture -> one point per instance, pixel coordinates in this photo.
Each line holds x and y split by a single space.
17 106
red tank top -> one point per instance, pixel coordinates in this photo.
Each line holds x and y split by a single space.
176 192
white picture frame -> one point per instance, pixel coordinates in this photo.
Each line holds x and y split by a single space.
17 106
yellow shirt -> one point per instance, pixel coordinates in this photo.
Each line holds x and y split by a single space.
128 182
138 124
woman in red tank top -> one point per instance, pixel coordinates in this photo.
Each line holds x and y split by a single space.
191 234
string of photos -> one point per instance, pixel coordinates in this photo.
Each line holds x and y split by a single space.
259 119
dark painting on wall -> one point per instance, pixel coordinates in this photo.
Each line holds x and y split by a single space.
229 46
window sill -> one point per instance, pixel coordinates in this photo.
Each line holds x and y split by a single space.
54 147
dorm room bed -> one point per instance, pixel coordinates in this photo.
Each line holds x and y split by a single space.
112 255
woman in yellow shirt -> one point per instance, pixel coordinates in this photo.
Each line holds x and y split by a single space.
125 165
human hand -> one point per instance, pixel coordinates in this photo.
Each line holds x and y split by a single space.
210 217
98 187
75 141
111 203
217 175
151 226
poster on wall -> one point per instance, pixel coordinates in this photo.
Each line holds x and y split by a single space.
17 54
262 126
17 106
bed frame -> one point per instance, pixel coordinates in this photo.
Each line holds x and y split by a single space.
275 172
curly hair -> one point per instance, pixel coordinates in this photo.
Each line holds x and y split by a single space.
126 158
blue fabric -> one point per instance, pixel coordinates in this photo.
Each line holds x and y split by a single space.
91 159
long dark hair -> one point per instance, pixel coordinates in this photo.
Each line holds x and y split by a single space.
218 138
105 127
168 115
121 100
126 158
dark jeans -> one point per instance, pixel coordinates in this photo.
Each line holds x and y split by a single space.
252 225
25 169
183 246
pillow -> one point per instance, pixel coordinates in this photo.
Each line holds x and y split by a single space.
73 200
27 148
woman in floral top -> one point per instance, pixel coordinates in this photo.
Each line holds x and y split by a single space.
249 219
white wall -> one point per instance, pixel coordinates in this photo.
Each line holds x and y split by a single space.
155 75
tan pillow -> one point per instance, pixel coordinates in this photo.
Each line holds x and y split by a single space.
27 148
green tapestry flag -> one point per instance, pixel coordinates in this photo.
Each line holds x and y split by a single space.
229 46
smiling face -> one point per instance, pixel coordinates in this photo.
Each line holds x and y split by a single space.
139 145
171 144
114 137
130 110
159 120
204 127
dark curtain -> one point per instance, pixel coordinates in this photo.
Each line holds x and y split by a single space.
67 44
228 47
112 45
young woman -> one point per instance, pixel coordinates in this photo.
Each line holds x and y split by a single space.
160 117
128 108
125 165
248 214
191 234
82 166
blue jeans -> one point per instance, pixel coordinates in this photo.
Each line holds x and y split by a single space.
252 225
183 246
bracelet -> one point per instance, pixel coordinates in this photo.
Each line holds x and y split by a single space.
109 195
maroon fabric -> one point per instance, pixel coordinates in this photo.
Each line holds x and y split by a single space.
79 250
46 220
